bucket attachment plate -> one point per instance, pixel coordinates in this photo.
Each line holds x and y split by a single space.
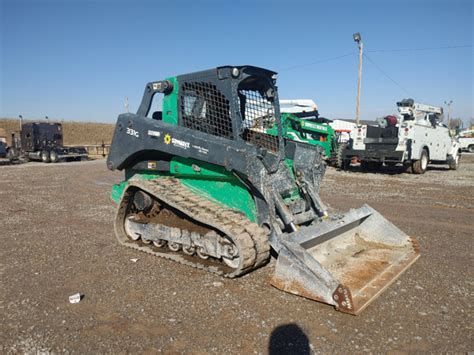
347 262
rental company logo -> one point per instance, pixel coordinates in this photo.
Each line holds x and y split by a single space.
176 142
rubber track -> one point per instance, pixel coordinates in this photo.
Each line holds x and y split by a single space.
250 239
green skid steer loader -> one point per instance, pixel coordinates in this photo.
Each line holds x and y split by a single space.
310 128
206 186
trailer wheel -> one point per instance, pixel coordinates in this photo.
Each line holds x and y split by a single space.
45 158
53 156
419 166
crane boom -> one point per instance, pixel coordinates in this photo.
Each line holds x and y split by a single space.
414 110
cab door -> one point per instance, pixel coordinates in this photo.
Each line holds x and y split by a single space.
436 138
446 139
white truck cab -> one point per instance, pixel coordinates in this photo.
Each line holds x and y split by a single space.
414 138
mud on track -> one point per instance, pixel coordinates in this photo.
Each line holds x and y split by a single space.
57 239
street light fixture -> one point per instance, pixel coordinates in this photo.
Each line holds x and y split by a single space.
358 39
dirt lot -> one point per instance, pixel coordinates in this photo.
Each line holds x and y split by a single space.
57 239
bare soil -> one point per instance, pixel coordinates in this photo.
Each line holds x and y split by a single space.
57 239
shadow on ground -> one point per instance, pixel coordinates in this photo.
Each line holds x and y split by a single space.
392 170
288 339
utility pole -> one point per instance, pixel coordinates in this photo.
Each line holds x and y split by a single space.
357 38
449 112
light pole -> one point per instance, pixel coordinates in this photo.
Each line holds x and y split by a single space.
449 112
357 38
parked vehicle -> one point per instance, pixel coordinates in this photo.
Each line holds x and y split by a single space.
415 138
43 141
466 141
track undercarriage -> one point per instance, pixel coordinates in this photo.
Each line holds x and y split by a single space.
166 219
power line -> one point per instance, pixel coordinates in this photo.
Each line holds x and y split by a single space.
375 64
418 49
374 51
317 62
388 76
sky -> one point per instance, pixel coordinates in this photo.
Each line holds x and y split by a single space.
78 60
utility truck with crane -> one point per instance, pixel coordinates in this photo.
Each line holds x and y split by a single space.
415 138
207 187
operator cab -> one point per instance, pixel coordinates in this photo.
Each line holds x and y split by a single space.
231 102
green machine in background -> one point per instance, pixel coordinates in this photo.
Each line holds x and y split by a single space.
310 128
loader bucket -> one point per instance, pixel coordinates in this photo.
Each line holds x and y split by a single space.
346 262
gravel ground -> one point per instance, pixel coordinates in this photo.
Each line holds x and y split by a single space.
57 239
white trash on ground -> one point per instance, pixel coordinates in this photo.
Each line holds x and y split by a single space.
76 298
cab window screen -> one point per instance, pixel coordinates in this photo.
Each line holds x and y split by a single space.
204 108
258 114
